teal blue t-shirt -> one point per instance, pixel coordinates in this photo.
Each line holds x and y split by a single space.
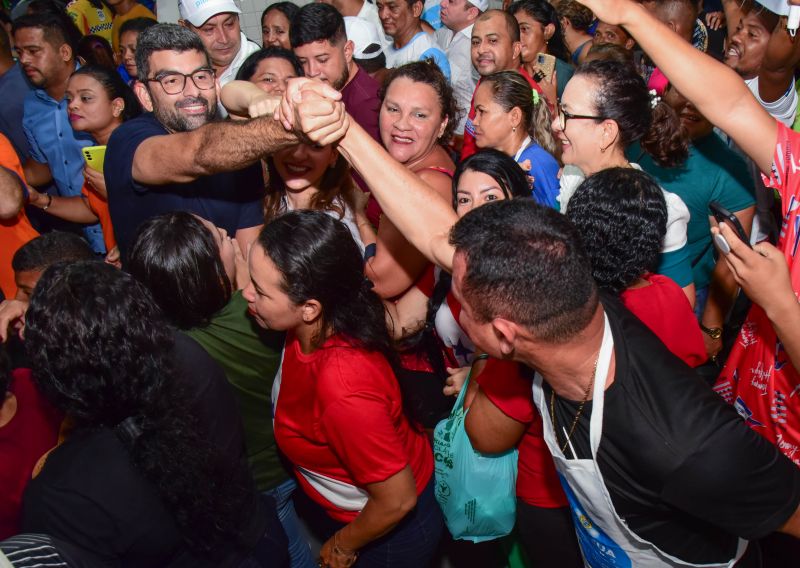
713 172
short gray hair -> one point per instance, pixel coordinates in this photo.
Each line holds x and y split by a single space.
165 37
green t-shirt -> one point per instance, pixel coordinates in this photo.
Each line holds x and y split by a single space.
250 357
713 172
564 72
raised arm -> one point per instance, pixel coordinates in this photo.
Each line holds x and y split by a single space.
243 98
717 91
777 70
225 146
411 204
414 207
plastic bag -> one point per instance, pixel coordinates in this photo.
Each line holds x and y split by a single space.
477 492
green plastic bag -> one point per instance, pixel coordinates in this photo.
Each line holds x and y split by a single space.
477 492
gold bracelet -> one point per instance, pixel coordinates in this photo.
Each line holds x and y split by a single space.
351 555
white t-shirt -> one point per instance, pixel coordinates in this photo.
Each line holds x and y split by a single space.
463 76
677 212
784 109
422 46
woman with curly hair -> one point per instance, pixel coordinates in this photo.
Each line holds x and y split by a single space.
196 273
575 22
337 406
605 108
622 217
138 481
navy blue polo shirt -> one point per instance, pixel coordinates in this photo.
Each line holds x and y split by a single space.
231 200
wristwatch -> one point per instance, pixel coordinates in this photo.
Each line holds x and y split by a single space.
712 332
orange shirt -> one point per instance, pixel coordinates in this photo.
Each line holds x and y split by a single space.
99 207
13 232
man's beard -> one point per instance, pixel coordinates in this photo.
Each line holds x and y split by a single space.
176 121
342 80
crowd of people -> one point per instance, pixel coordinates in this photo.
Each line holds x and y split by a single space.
243 286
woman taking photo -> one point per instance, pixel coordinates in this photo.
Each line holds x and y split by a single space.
540 32
417 115
605 108
98 101
512 118
337 406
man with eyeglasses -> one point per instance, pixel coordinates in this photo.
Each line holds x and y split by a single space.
176 156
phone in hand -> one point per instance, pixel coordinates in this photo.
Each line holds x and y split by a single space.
94 157
722 215
546 64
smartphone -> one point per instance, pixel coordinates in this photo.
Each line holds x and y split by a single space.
722 215
94 156
546 64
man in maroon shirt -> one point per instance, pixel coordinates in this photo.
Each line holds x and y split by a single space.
320 42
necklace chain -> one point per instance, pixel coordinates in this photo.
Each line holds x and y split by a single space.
580 408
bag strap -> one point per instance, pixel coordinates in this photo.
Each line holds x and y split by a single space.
460 400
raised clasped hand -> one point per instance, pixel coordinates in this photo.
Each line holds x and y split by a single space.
313 110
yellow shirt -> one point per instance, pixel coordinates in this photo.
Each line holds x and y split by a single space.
137 11
91 20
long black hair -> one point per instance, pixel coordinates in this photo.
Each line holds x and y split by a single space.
177 258
319 260
621 218
102 353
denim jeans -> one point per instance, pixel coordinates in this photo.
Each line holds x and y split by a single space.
411 544
299 551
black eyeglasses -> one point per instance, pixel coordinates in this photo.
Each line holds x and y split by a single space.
564 116
173 83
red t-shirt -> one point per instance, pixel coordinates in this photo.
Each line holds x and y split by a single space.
664 308
30 433
758 378
469 146
339 419
537 479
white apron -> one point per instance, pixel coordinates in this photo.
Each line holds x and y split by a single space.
605 539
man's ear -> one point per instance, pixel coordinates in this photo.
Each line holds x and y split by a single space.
349 47
143 95
65 52
416 8
506 332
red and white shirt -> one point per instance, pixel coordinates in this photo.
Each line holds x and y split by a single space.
758 378
339 419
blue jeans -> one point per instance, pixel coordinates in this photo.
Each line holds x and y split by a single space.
411 544
299 551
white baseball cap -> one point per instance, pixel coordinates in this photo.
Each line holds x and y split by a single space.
198 12
365 37
481 5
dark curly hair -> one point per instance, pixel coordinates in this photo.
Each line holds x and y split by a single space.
578 15
319 260
117 373
428 72
544 13
622 219
621 95
177 258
